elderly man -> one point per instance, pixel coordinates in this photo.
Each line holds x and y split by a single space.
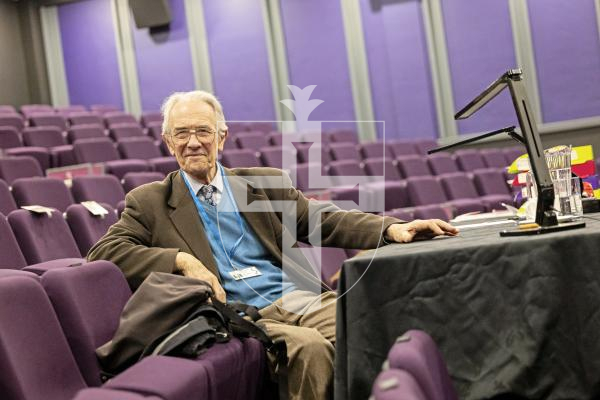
176 226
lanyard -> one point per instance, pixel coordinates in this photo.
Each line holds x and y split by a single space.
213 230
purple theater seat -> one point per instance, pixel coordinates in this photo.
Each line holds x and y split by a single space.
492 182
13 168
144 148
344 168
494 158
14 120
299 175
261 126
48 192
131 180
426 190
48 119
303 153
403 214
155 130
402 148
343 136
41 154
120 208
104 108
328 259
344 151
469 160
397 384
28 109
416 353
43 136
119 117
424 145
432 211
10 254
251 140
87 228
375 150
512 153
382 167
42 237
9 137
240 158
88 131
411 166
275 138
68 110
102 150
151 117
7 202
459 186
274 156
34 355
121 131
7 109
442 163
100 188
85 118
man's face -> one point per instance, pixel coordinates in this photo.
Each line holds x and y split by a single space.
197 152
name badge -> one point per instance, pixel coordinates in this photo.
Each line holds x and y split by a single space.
245 273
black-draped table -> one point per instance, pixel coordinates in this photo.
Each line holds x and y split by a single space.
514 317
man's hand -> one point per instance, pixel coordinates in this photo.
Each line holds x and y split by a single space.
192 267
419 229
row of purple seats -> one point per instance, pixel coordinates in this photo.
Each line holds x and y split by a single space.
51 325
414 370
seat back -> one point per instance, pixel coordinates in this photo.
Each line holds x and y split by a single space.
512 153
344 151
251 140
95 150
35 359
131 180
425 190
149 117
432 211
375 150
49 119
104 108
458 185
490 181
7 109
9 137
125 130
345 168
42 237
274 156
79 296
411 166
494 158
343 136
43 136
469 160
442 163
11 256
424 145
87 131
402 148
304 151
14 120
381 166
7 202
86 118
141 147
100 188
13 168
48 192
240 158
87 228
118 117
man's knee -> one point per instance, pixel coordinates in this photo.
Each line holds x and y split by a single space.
314 346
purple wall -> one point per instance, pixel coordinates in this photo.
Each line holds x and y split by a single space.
316 50
399 67
480 48
90 54
164 63
567 52
239 59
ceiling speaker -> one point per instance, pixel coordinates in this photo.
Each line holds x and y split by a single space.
150 13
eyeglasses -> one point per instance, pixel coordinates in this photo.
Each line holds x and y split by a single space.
204 135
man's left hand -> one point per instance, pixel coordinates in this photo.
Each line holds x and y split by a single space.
419 229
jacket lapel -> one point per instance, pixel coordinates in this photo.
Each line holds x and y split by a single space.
187 222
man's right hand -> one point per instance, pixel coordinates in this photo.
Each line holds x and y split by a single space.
192 267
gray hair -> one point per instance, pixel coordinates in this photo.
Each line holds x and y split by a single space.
206 97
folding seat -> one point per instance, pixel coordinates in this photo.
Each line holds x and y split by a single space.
65 111
236 127
48 119
442 163
303 153
11 256
426 190
131 180
12 168
469 160
99 188
7 203
343 136
40 154
87 228
43 237
86 118
121 131
494 158
510 153
51 138
149 117
240 158
344 151
47 192
7 109
397 384
424 145
14 120
102 150
251 140
491 182
299 175
155 130
318 137
416 353
275 138
144 148
274 156
89 131
329 260
261 126
402 148
344 168
28 109
119 117
375 150
458 185
410 166
9 137
381 166
104 108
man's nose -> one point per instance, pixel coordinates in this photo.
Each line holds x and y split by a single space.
194 142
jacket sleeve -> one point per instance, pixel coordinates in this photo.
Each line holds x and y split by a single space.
128 244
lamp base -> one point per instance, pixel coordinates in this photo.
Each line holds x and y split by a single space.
540 230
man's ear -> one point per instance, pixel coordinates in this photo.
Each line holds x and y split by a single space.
167 141
222 139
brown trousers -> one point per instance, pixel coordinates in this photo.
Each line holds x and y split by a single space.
309 335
